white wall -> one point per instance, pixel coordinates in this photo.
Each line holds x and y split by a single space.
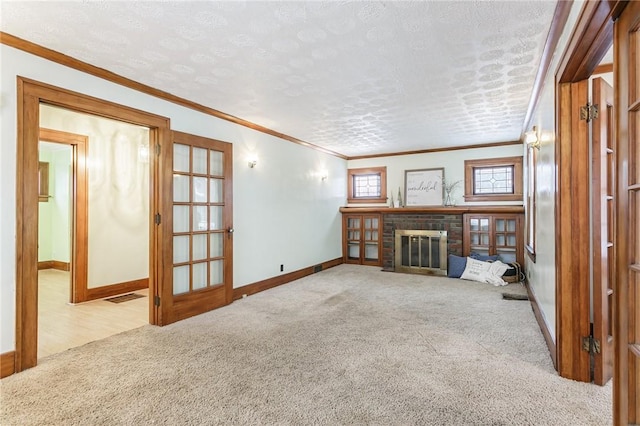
118 194
542 273
54 232
452 161
283 212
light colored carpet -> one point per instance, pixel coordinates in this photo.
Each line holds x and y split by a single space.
350 345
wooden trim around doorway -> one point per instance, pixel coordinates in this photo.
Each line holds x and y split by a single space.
30 95
591 38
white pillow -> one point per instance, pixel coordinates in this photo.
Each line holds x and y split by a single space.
495 273
498 268
476 270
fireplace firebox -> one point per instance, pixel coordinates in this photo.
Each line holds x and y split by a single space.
421 252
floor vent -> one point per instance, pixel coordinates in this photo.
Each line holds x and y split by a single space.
124 298
317 268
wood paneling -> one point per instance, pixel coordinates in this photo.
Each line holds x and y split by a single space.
249 289
7 364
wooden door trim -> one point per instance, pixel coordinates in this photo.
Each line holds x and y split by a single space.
30 94
572 234
591 38
79 213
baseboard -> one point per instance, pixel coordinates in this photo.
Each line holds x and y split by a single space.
54 264
116 289
249 289
543 325
7 364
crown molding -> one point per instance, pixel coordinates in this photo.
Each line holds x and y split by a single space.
430 151
560 16
68 61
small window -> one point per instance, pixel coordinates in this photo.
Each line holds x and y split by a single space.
493 179
367 185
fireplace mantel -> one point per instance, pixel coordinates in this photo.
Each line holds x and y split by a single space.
434 209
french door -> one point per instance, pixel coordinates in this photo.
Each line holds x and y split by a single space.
197 227
626 376
603 220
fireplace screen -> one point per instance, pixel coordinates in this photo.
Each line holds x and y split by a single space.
422 252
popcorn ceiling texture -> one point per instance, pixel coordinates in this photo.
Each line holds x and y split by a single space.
353 77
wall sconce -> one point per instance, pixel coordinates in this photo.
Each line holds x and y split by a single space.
531 138
253 163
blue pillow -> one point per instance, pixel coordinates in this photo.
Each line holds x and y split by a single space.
484 257
456 266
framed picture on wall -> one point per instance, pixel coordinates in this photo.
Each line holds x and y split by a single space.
424 187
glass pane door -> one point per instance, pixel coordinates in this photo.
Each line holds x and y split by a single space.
198 233
198 273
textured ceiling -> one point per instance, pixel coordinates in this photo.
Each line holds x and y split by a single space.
356 78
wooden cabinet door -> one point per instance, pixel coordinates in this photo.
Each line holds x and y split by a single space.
351 238
371 233
478 234
492 234
361 239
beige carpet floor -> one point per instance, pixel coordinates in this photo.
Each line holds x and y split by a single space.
348 346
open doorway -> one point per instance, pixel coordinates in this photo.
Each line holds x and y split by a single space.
31 96
93 228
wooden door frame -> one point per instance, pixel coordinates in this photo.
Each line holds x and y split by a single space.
591 38
30 95
79 208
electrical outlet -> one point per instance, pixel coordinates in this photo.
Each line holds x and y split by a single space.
281 268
